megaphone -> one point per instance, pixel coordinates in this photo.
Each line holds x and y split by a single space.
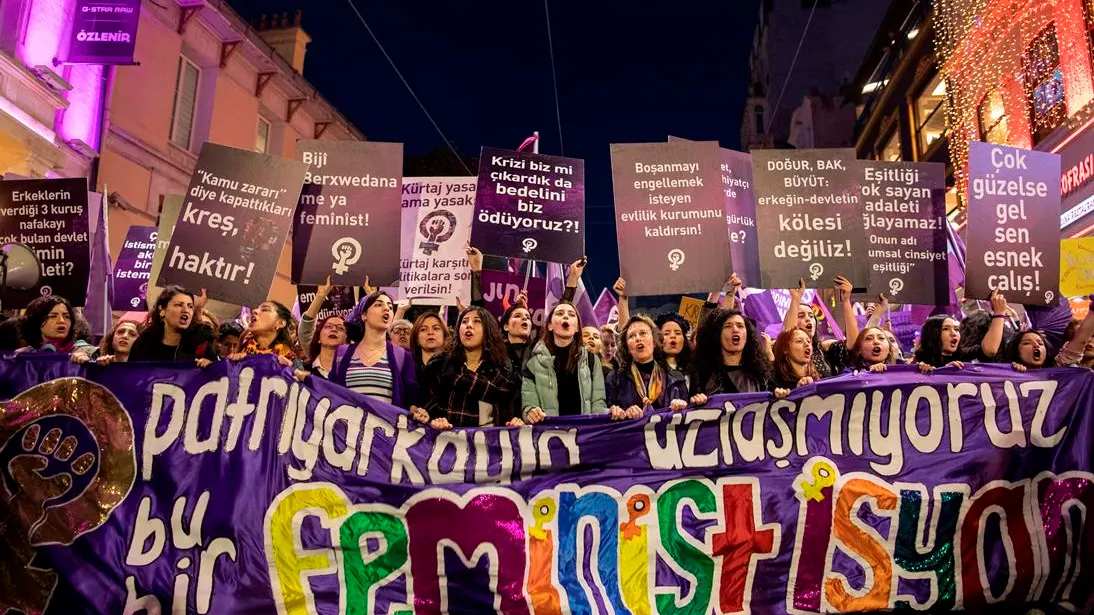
19 268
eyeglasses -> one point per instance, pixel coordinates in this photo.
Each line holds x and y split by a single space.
334 327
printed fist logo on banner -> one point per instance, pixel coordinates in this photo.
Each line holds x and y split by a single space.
437 227
66 461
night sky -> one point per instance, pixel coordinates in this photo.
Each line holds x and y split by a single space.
626 73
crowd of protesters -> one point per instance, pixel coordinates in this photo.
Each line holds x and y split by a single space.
501 371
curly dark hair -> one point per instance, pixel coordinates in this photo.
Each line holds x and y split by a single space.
30 327
684 359
193 335
707 360
973 330
930 342
493 344
624 354
574 351
1012 353
285 335
504 320
782 367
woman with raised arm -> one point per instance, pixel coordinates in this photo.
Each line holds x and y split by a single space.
472 383
171 333
323 347
729 357
828 356
49 325
644 381
427 339
375 367
1079 347
563 377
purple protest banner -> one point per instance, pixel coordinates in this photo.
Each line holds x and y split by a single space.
809 217
233 224
102 32
51 217
670 217
904 216
349 209
606 308
530 206
134 267
500 290
1014 224
339 301
127 486
740 214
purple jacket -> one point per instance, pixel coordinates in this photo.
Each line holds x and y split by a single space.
404 380
620 391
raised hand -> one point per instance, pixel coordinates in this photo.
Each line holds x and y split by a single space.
474 258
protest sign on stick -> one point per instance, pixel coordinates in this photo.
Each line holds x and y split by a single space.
233 224
670 217
740 214
530 206
904 216
500 290
1014 224
133 270
809 218
349 208
436 227
50 216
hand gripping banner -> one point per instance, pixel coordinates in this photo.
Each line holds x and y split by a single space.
236 490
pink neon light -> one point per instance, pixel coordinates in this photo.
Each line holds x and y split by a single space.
81 119
47 22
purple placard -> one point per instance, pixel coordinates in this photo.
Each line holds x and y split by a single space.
220 479
134 268
670 217
500 290
1014 224
530 206
233 224
740 214
904 216
346 226
809 217
103 32
51 217
339 302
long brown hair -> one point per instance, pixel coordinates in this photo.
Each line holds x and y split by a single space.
574 351
784 369
493 344
856 350
107 345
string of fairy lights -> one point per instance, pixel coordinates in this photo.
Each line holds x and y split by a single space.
1014 70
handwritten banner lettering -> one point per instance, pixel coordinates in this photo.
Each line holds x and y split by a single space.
750 504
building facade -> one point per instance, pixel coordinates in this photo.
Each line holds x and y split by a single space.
1021 73
797 87
202 74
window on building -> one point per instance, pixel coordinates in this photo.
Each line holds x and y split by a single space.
758 119
186 94
1044 79
891 151
930 109
993 119
262 136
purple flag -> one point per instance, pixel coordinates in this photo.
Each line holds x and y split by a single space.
103 32
606 308
556 286
237 490
100 280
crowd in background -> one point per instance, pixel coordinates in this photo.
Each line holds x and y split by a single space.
502 371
